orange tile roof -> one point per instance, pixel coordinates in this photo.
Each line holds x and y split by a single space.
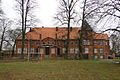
100 36
61 33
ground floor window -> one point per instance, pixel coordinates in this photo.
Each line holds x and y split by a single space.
71 50
25 50
42 51
95 50
53 50
19 50
64 50
76 50
32 50
86 50
101 50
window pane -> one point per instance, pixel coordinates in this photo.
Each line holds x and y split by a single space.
64 50
101 51
42 51
19 50
86 50
95 50
53 50
76 50
72 50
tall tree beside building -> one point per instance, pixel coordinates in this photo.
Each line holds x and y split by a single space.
25 8
66 15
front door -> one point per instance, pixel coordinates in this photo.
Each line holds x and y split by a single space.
47 50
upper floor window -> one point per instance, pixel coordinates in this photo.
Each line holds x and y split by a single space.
53 43
19 43
58 43
95 43
86 50
37 43
72 43
106 43
101 42
86 42
31 43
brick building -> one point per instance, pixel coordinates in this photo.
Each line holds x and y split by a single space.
51 41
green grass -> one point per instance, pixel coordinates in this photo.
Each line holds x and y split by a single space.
60 70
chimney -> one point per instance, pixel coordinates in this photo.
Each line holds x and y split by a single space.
56 36
56 28
40 36
42 26
70 28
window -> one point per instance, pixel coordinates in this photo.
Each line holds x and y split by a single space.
86 42
19 43
53 50
19 50
76 42
53 43
106 43
64 50
76 50
101 50
37 43
25 50
58 43
42 51
25 43
86 50
101 42
43 43
71 50
32 50
101 57
95 43
95 50
31 43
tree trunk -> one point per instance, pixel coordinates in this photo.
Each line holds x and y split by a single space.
23 31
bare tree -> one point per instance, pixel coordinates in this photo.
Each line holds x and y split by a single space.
67 15
5 25
115 43
24 7
12 35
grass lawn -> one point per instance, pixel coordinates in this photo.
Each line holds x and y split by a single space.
60 70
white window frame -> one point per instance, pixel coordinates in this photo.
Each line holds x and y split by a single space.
101 50
72 50
42 51
95 50
76 50
32 50
19 50
86 50
53 50
101 42
64 50
25 50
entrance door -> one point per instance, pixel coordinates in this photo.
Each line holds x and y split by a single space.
58 51
47 50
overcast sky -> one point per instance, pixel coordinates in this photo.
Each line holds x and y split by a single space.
45 11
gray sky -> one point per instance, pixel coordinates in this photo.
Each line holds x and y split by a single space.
45 11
